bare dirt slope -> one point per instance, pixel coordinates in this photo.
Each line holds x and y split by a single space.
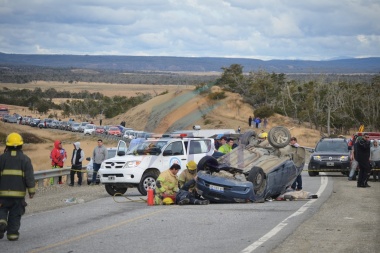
178 109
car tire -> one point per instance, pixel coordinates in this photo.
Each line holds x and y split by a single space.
88 182
148 180
258 178
113 190
248 137
279 137
313 173
208 163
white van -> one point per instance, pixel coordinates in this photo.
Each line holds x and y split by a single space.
142 164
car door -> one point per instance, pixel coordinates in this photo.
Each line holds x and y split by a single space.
174 153
121 148
198 148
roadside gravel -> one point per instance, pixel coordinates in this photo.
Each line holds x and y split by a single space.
56 196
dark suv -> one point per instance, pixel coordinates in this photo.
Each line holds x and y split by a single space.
330 155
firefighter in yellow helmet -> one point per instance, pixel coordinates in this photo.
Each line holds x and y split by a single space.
16 177
188 174
188 193
167 185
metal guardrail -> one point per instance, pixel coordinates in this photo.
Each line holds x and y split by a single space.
40 176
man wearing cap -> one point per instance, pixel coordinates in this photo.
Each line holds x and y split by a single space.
16 177
188 174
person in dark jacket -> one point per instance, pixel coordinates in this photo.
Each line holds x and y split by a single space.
16 177
76 164
363 152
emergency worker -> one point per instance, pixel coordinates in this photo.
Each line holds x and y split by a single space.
16 176
188 174
167 186
187 193
363 149
58 156
227 147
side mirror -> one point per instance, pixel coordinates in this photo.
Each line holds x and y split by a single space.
88 158
121 153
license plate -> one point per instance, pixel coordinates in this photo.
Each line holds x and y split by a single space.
216 188
330 164
111 177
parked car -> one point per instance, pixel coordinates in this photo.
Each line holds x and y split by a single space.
82 126
330 155
114 131
45 123
75 127
54 124
35 122
255 170
99 130
5 117
89 129
90 166
12 119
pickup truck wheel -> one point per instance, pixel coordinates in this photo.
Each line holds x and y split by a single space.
112 189
257 177
247 137
208 163
147 180
279 137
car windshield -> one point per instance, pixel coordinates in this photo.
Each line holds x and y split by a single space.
334 146
149 147
114 129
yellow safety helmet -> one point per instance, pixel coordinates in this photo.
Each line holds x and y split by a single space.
14 140
167 201
263 135
191 165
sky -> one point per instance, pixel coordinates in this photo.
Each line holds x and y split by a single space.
256 29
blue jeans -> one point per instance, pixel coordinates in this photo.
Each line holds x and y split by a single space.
354 165
297 183
96 167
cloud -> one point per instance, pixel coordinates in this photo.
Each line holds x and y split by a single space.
271 29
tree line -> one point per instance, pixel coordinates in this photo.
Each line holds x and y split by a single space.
82 104
324 103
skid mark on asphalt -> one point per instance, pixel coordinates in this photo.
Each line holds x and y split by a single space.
282 224
77 238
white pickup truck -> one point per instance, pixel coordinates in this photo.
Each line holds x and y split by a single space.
140 166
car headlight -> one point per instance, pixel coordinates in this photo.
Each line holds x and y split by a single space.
132 164
317 158
343 158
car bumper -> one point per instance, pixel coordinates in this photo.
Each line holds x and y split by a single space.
326 166
223 190
130 175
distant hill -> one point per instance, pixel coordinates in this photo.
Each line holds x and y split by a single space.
195 64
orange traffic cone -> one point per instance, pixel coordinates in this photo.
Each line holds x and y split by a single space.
150 199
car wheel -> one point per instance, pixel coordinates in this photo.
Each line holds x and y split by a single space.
279 137
112 189
148 180
313 173
248 137
208 163
257 177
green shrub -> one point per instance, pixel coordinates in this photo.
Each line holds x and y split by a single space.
264 111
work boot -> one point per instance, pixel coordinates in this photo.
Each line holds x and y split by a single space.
184 201
201 202
12 237
3 226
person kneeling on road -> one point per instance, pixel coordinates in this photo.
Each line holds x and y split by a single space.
167 186
184 196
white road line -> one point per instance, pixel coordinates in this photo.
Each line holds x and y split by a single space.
282 224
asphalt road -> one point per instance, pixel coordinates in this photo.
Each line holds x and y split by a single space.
104 225
343 219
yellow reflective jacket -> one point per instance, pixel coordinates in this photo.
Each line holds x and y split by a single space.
185 177
16 174
169 185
